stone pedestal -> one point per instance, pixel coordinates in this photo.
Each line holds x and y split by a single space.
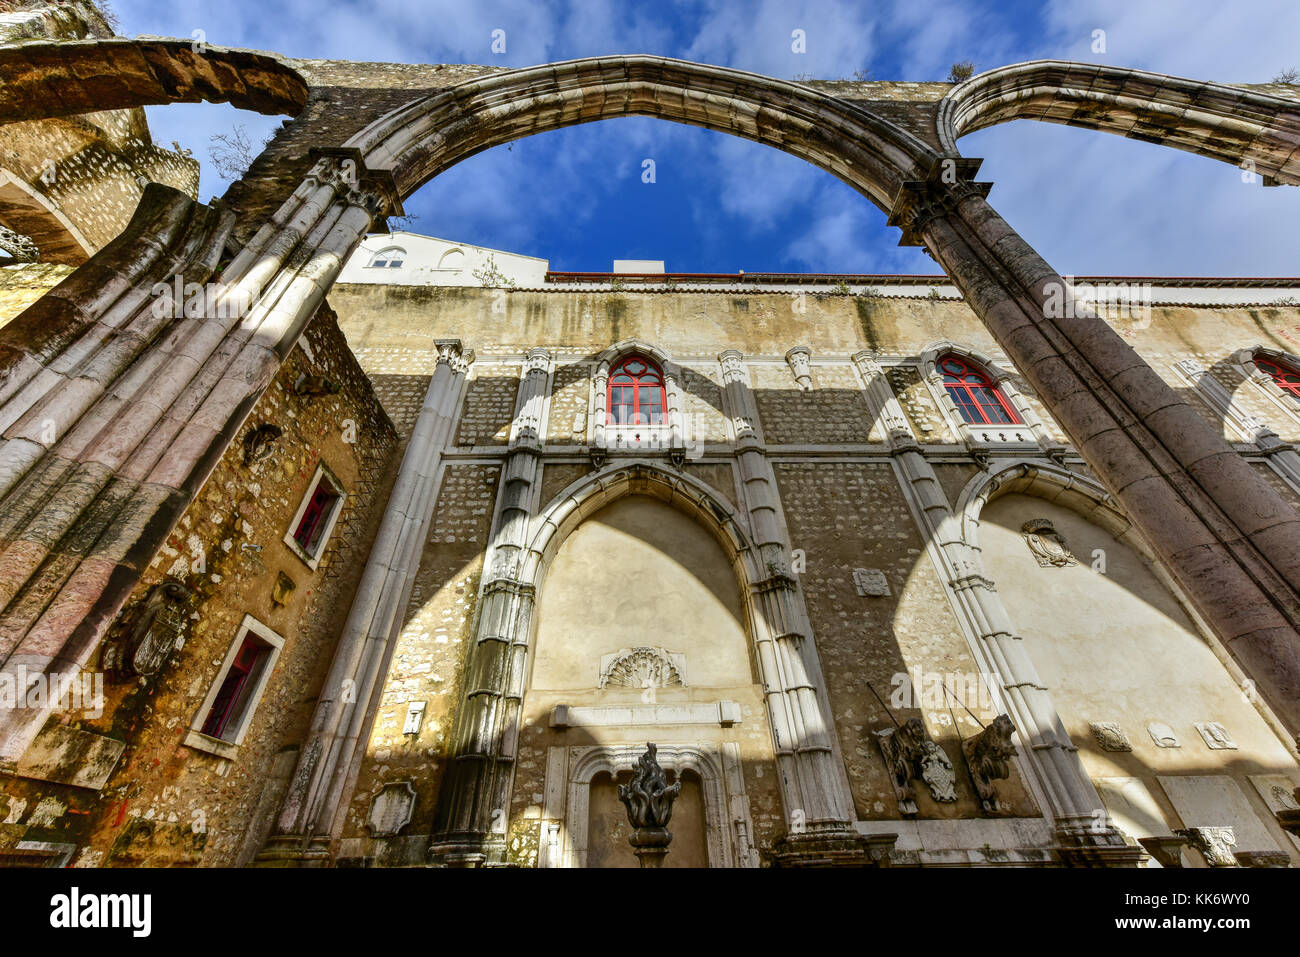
650 845
294 850
833 847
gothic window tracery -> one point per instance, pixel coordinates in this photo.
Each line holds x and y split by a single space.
978 399
1285 378
636 393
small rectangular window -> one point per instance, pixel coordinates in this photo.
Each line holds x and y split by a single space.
310 529
312 523
227 712
231 704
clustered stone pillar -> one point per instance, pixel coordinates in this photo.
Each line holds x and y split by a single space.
1079 814
1230 539
117 411
355 680
815 788
469 827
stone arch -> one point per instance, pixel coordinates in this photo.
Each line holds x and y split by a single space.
421 139
87 76
1244 361
26 210
726 812
1103 673
583 498
1031 431
791 692
1060 485
1231 124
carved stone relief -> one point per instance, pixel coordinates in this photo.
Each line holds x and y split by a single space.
870 582
909 753
259 441
1163 735
800 360
988 755
1214 843
1110 736
391 809
1046 544
1216 736
642 668
158 629
315 385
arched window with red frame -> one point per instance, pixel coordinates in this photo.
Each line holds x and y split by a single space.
979 401
636 393
1284 377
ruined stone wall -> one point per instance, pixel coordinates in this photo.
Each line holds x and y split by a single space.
72 183
167 803
843 499
22 285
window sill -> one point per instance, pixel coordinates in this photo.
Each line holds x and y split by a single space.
202 742
312 562
618 437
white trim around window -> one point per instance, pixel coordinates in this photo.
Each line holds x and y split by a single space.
312 556
227 746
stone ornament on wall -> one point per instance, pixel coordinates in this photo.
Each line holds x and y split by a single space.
259 441
156 632
1163 735
800 360
1046 544
1216 736
909 753
391 809
310 385
643 667
988 755
1214 843
1111 736
870 582
280 591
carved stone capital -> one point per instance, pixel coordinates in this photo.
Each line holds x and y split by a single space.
733 366
450 352
949 181
800 361
344 169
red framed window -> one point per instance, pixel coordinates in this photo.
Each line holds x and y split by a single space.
978 400
1286 379
636 393
237 685
315 516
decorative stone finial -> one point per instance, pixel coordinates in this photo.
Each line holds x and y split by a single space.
649 801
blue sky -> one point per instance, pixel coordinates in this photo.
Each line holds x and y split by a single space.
1091 203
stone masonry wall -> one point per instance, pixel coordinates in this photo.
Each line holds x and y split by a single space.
167 803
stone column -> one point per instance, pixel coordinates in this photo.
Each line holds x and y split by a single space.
819 804
600 382
1228 538
678 433
470 824
125 453
355 681
1075 804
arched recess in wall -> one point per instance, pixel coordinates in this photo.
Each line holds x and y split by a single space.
643 630
1152 702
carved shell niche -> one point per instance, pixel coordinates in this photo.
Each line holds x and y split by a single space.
642 668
